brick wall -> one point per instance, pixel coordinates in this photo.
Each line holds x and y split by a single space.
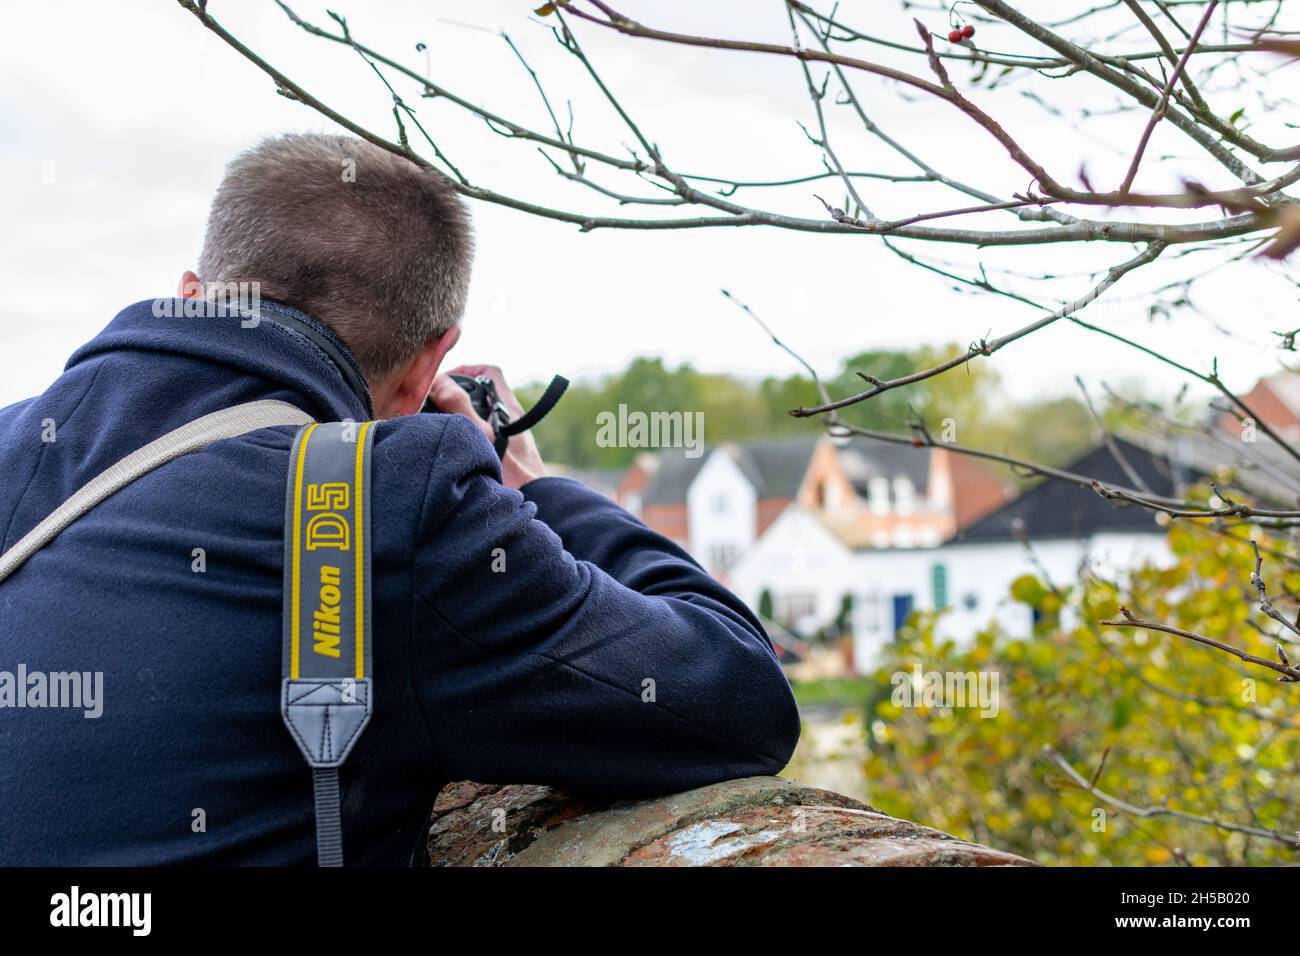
757 821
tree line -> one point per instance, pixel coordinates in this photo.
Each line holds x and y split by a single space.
969 407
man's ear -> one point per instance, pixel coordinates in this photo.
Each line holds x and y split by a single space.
190 286
404 393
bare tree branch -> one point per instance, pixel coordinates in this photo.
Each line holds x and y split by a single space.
1162 107
987 348
1091 789
1290 673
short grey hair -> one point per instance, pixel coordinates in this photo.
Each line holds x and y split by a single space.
374 246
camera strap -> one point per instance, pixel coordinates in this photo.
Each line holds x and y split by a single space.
535 414
326 343
327 686
190 437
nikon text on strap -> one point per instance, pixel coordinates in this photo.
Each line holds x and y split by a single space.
327 691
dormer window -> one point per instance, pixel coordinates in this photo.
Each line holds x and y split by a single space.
878 495
904 495
833 497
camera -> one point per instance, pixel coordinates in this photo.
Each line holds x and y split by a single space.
487 405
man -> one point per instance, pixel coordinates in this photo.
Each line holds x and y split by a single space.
525 628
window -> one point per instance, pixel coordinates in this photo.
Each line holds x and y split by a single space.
792 607
833 497
878 494
720 504
722 556
939 585
870 611
904 495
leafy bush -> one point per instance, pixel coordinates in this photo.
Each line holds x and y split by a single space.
1175 727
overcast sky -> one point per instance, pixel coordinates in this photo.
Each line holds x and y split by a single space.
116 119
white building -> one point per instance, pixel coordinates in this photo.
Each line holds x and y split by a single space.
866 492
722 505
716 506
1051 531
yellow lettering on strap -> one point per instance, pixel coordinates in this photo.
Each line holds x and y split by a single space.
296 611
360 551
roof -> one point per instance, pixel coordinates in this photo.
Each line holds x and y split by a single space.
603 480
775 467
864 458
1061 509
669 483
1286 386
1262 468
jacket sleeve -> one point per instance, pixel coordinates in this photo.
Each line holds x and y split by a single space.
557 640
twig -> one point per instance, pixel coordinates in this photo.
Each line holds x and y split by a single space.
1091 789
1265 605
1159 112
1290 673
987 348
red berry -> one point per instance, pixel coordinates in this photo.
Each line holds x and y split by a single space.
956 36
968 31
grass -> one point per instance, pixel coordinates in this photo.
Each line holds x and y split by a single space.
843 691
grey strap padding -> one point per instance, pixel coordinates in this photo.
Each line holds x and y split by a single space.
198 434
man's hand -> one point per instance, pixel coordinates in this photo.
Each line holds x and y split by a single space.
522 462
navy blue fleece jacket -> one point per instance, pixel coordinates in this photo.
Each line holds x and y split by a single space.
537 673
